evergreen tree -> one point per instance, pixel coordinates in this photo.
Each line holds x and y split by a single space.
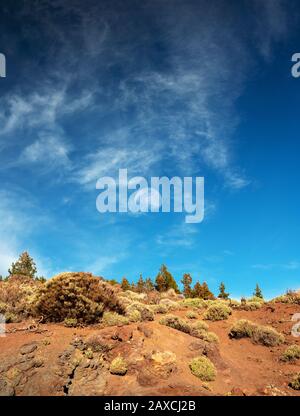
187 281
207 294
222 294
258 293
165 281
149 286
24 266
125 285
197 291
202 291
140 287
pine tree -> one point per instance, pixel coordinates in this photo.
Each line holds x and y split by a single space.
24 266
207 294
149 286
222 294
202 291
125 285
197 291
140 287
258 293
165 281
187 281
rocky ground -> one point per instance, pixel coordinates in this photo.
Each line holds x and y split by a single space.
55 360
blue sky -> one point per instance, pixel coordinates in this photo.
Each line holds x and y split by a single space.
187 88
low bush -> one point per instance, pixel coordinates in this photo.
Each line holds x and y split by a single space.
70 322
160 308
114 319
250 305
204 335
191 315
217 312
259 334
170 304
203 368
118 366
200 325
291 297
292 353
133 296
176 323
134 316
197 303
17 297
197 329
145 311
267 336
80 296
295 382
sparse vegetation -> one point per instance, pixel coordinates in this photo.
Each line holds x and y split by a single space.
118 366
197 329
292 353
291 297
70 322
196 303
295 382
114 319
203 368
259 334
191 315
217 312
145 311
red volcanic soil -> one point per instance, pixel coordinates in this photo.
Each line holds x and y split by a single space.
55 360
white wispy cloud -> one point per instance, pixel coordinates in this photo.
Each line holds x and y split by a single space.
291 265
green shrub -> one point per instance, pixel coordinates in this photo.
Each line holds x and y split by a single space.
267 336
259 334
203 368
291 297
204 335
80 296
3 307
17 296
11 318
70 322
114 319
145 311
251 306
160 308
171 305
255 299
191 315
197 303
134 316
176 323
118 366
292 353
295 383
217 312
201 325
242 329
197 329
